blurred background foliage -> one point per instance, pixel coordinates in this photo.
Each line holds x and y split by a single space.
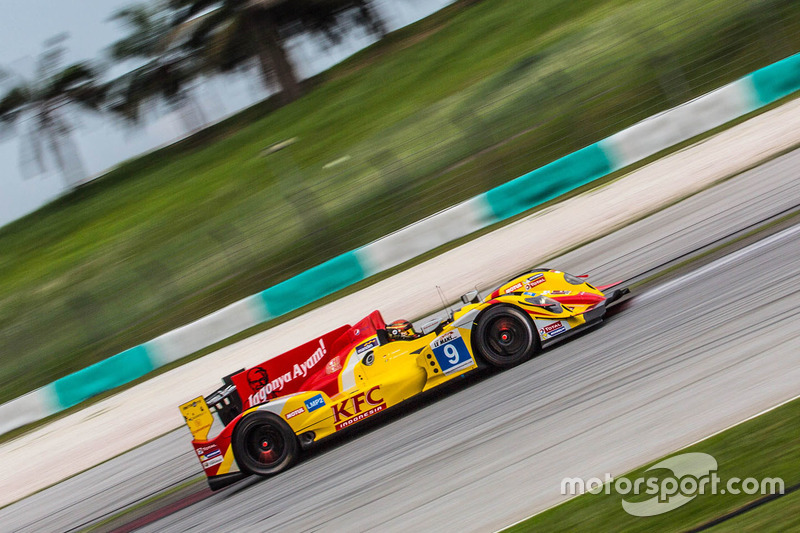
462 101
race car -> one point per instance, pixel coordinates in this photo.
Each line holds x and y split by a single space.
271 412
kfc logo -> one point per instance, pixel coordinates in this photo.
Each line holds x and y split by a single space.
257 378
358 407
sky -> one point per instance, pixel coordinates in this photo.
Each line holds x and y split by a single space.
27 24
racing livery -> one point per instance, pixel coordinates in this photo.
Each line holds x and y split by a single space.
272 411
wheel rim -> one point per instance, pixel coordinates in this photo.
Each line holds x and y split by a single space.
506 336
265 445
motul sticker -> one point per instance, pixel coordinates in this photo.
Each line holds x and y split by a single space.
514 288
299 411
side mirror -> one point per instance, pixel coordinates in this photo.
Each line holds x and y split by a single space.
472 297
430 325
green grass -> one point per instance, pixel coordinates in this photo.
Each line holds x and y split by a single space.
778 515
764 447
172 236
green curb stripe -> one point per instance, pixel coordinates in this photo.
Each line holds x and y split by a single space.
549 181
775 81
313 284
105 375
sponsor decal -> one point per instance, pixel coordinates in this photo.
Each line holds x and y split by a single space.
257 378
551 330
207 450
533 281
212 462
299 411
334 365
314 403
300 370
210 455
514 288
451 352
358 407
361 416
450 336
369 345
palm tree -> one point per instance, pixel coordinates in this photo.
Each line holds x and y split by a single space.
230 32
42 105
166 72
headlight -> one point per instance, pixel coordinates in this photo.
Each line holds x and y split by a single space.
573 280
545 302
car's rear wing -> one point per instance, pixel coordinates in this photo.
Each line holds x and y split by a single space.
224 401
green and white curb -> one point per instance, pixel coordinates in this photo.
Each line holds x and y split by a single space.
517 196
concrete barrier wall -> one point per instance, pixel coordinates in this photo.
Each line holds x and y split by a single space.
517 196
425 235
775 81
681 123
28 408
550 181
313 284
207 331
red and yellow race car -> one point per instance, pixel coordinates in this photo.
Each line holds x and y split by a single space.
272 411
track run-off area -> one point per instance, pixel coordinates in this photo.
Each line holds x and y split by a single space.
688 357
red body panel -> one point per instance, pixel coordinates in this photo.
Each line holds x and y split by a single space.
304 368
583 298
211 452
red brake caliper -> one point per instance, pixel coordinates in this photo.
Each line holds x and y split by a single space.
266 456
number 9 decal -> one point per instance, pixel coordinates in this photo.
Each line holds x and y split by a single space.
451 353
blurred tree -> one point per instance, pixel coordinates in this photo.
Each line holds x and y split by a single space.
167 70
229 32
41 105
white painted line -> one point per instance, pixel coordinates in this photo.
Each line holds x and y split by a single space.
719 263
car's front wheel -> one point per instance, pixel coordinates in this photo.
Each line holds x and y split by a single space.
263 444
504 336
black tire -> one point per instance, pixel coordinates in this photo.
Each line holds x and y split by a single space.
504 336
263 444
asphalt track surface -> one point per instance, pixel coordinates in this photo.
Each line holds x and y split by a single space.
685 360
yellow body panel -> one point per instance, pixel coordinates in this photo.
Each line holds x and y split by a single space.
396 371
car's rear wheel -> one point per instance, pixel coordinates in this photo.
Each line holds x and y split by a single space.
505 336
263 444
